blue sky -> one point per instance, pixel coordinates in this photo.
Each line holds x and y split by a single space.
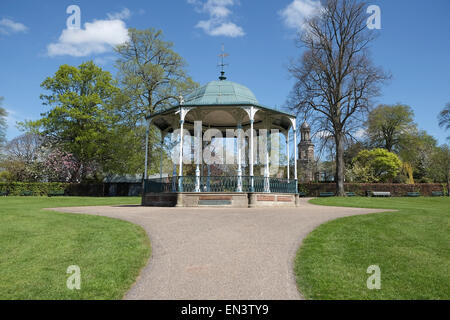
413 44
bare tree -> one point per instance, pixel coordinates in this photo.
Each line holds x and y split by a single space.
27 147
335 77
444 118
3 126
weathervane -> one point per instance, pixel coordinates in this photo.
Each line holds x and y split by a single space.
222 56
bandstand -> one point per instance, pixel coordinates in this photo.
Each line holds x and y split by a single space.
208 113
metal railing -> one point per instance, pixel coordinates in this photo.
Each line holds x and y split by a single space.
219 184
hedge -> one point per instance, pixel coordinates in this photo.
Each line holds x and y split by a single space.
37 188
69 189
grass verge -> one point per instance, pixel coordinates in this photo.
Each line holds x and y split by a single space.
37 246
411 247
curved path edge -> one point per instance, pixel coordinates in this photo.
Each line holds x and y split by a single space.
221 253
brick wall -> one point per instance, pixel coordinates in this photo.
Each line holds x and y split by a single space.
396 190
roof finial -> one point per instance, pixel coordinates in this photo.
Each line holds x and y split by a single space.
222 56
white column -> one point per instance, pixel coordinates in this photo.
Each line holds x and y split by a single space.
287 154
252 187
174 174
239 160
147 132
180 170
295 160
267 169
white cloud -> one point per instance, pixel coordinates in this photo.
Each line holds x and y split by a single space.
360 133
122 15
323 134
296 13
219 23
8 26
228 29
96 37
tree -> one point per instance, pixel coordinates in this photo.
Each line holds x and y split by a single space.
23 158
439 169
352 150
3 126
416 148
387 124
61 167
82 113
335 78
377 165
444 118
153 76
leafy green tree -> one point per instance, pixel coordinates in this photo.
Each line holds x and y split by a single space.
81 115
416 148
153 76
439 169
3 115
387 124
444 118
377 165
352 150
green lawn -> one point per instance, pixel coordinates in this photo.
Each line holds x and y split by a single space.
411 247
37 246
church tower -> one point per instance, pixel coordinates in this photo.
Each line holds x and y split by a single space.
306 154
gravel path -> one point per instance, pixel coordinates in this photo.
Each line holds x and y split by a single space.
221 253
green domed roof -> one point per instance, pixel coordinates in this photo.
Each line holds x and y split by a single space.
221 93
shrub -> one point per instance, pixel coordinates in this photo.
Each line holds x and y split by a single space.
37 188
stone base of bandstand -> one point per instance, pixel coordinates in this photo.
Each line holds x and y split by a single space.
222 199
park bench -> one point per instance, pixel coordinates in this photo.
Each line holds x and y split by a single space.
3 193
350 194
56 193
437 194
413 194
26 193
302 194
326 194
380 194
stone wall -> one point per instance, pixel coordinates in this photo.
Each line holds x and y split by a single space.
231 200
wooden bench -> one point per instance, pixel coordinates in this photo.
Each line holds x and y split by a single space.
3 193
380 194
302 194
413 194
350 194
437 194
56 193
26 193
326 194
